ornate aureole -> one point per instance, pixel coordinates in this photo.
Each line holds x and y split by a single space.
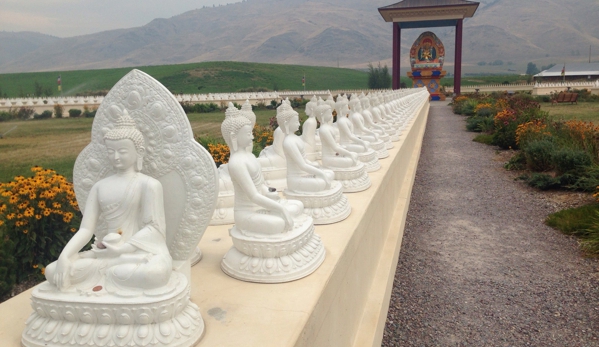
426 58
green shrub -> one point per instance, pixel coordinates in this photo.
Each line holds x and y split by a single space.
585 179
5 116
58 109
484 138
8 274
485 112
25 113
469 106
505 136
542 181
473 123
539 155
45 115
573 221
73 113
569 160
516 162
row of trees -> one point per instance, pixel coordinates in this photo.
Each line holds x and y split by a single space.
531 68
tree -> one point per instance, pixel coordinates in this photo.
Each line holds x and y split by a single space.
378 77
39 89
531 69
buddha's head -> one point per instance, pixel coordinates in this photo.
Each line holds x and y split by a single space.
247 112
354 104
125 144
287 118
325 113
310 106
236 129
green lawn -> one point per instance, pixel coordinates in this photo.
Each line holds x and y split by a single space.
55 143
207 77
586 111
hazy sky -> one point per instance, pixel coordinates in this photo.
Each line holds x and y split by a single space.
66 18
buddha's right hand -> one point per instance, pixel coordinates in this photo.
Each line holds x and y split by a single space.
62 276
328 180
288 219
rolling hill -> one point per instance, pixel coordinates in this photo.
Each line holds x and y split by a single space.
313 32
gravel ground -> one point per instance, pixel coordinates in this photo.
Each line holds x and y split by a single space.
477 266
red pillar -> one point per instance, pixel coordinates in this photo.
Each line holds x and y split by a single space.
457 76
396 52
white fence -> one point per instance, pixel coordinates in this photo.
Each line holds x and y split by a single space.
40 104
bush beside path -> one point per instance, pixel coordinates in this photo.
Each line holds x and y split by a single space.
478 267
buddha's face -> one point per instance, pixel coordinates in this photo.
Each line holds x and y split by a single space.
121 154
293 124
244 136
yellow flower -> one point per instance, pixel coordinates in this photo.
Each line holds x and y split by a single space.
38 217
25 231
28 212
35 266
13 199
10 216
56 205
41 204
1 222
36 169
73 230
43 271
47 212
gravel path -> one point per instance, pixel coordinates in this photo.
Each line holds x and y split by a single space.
477 266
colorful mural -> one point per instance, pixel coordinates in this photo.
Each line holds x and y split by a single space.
426 58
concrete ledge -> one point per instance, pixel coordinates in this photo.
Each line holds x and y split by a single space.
343 303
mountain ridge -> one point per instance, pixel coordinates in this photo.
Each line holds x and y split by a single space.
349 33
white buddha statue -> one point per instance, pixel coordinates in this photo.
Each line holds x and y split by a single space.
315 187
223 214
273 162
386 123
350 141
345 164
362 131
309 130
131 255
370 124
264 221
132 288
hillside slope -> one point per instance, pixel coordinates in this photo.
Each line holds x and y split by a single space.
319 32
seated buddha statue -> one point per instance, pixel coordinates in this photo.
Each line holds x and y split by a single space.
273 162
364 133
132 253
315 187
302 175
349 171
309 130
265 247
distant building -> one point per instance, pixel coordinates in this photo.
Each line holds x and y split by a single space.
573 72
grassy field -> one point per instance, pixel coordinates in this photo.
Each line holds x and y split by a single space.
55 143
208 77
484 80
585 111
